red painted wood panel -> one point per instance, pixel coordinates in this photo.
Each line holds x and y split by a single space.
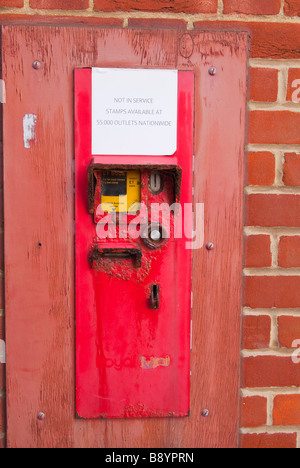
39 231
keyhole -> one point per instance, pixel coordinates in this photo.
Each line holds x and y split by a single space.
154 298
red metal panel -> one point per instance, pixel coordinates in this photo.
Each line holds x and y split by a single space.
132 360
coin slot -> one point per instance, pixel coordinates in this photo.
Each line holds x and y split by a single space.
156 236
156 182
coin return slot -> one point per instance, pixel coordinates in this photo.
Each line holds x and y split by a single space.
156 182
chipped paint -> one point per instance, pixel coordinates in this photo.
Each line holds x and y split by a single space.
29 126
142 411
154 362
2 352
121 268
2 92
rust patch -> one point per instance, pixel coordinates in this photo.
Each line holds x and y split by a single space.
115 253
121 268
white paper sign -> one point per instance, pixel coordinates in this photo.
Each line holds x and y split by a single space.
134 112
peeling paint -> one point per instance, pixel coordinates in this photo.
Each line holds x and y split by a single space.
141 411
123 269
2 352
29 125
2 92
154 362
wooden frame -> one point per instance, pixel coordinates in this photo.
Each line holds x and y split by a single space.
39 231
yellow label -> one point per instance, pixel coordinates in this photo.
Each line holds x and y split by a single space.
120 191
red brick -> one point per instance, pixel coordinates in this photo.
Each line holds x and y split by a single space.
157 23
253 411
59 4
286 411
289 252
272 291
268 441
12 3
172 6
288 331
252 7
292 7
62 20
268 39
257 251
273 210
274 127
291 169
263 84
270 371
256 332
293 86
261 168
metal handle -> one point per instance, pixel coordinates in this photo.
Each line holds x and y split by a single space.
115 252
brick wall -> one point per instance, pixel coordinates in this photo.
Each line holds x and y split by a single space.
270 387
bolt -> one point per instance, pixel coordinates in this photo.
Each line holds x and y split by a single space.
36 65
212 71
155 235
41 416
205 413
210 246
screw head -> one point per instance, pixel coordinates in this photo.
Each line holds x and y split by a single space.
210 246
41 416
36 65
205 413
212 71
